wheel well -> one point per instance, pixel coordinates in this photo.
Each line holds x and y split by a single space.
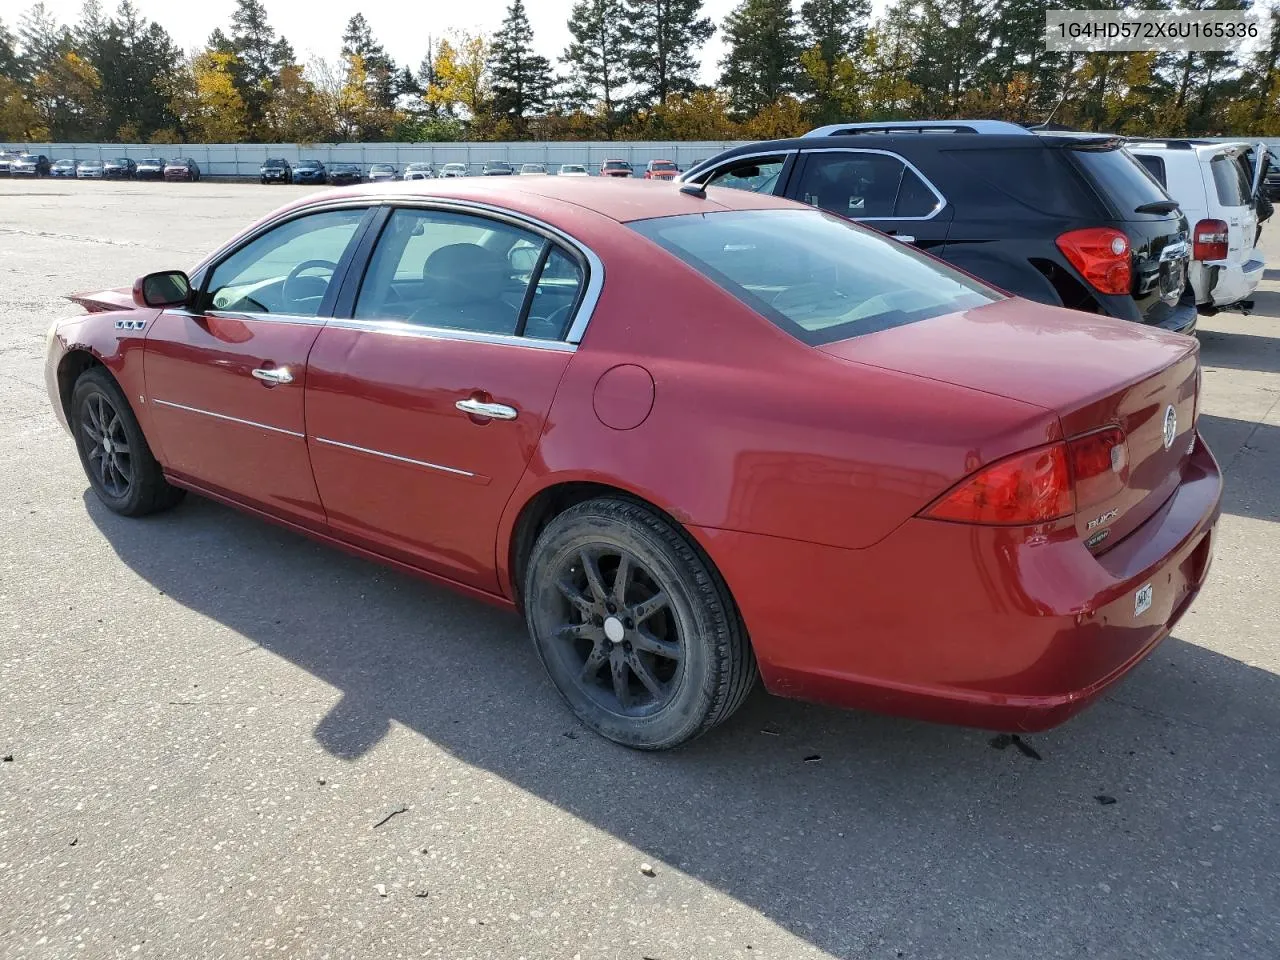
1071 291
72 366
552 502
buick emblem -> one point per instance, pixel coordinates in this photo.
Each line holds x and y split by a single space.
1170 426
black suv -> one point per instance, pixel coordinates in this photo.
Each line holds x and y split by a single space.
275 170
1063 218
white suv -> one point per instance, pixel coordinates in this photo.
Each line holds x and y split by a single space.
1216 187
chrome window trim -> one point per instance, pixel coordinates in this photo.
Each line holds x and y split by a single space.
595 266
396 457
403 328
223 416
942 201
689 176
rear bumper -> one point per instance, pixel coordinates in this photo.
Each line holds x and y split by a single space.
1227 282
976 626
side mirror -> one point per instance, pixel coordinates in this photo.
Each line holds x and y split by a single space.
168 288
524 259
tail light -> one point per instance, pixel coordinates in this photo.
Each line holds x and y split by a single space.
1030 487
1099 465
1209 240
1101 254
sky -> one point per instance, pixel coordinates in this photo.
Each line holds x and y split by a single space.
402 28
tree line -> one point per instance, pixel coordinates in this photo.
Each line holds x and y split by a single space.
629 72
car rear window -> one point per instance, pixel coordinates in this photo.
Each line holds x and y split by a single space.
1119 176
1229 179
817 276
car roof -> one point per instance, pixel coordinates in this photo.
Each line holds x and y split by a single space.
1201 148
622 201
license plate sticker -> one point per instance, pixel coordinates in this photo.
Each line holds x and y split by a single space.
1142 600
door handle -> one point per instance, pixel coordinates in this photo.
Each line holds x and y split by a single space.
490 411
273 374
903 237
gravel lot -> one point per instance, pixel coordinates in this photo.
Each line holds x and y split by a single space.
210 721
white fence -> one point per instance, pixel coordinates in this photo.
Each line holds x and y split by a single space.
243 159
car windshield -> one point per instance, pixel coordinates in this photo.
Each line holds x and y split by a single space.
151 162
617 165
534 168
274 163
382 168
1121 177
662 165
573 168
498 166
418 166
819 277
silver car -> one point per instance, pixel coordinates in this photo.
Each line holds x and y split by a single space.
573 170
453 170
382 171
419 171
89 170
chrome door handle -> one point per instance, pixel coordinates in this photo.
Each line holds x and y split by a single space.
903 237
492 411
274 374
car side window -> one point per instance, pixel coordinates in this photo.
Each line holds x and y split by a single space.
1153 166
286 270
756 175
463 272
864 185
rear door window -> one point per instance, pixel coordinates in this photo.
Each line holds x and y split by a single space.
865 186
818 277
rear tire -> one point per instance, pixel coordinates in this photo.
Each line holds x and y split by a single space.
116 458
635 628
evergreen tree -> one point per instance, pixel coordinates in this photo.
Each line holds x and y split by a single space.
595 58
521 78
762 62
661 38
10 65
380 69
833 31
42 41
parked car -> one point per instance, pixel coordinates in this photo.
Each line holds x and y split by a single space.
183 168
573 170
150 168
63 168
119 168
419 171
1216 190
30 165
1271 179
275 170
341 174
616 168
382 171
90 170
453 170
1011 501
661 170
6 159
533 169
496 168
309 171
1065 219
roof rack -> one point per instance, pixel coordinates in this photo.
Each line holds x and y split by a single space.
1173 143
919 126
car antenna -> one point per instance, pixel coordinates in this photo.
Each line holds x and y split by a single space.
694 190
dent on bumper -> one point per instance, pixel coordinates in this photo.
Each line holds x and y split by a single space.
980 626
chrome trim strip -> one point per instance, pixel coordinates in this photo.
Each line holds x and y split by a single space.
402 328
942 201
223 416
392 456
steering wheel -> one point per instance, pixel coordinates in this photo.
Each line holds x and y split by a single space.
554 320
292 278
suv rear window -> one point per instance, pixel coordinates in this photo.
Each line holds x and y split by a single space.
1120 177
1230 181
817 276
1153 166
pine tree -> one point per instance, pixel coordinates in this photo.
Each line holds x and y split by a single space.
9 62
762 62
661 38
259 57
595 58
358 41
833 31
42 41
521 78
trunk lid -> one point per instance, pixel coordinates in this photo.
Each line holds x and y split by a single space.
1092 371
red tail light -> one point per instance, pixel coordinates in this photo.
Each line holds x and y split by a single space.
1030 487
1209 240
1101 254
1099 465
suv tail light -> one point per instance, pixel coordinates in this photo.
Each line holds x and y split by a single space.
1209 240
1101 254
1029 487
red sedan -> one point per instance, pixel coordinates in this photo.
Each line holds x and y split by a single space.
690 436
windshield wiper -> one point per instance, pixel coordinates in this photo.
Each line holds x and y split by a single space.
1157 206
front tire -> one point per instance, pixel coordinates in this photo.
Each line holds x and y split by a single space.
116 458
634 626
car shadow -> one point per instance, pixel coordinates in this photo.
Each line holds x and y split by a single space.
843 828
1249 453
1240 351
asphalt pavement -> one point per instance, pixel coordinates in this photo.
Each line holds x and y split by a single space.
220 739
